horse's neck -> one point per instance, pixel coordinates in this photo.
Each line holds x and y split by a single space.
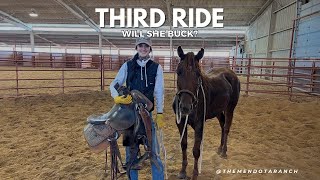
209 90
206 81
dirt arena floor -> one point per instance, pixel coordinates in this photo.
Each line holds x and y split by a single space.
41 138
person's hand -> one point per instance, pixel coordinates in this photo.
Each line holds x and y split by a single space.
123 99
159 121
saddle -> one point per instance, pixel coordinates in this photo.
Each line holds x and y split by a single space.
121 116
133 121
119 119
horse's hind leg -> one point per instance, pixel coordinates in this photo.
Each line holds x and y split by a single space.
184 144
226 129
221 119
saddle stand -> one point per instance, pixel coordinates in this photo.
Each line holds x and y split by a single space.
115 157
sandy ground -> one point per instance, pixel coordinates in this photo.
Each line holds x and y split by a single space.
41 138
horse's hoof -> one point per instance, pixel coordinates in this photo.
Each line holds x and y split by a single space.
195 175
223 155
219 151
182 175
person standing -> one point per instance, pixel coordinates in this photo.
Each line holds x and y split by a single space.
143 74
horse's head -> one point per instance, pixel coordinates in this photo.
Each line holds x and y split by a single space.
189 79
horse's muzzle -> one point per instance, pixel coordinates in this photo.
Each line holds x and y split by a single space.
185 109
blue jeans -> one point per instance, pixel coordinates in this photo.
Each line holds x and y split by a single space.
157 174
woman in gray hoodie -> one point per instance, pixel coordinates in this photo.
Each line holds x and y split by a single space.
143 74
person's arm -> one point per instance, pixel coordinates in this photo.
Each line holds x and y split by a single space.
159 90
120 79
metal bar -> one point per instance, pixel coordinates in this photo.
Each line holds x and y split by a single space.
100 44
101 73
292 77
32 41
233 60
248 77
281 30
281 75
260 11
17 74
249 84
283 7
272 71
292 37
47 79
275 50
102 60
75 10
233 65
12 20
307 15
260 37
62 75
312 73
49 87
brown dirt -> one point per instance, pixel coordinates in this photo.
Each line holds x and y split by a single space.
41 138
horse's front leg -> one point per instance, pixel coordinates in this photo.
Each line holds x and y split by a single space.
196 149
184 143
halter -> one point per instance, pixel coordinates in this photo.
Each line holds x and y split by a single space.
195 98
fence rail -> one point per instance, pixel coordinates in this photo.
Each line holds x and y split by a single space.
26 73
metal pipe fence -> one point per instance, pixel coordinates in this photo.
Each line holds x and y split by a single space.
26 73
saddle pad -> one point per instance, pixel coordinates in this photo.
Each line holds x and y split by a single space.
97 134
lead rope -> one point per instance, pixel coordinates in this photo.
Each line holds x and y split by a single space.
204 119
163 149
178 117
184 128
178 114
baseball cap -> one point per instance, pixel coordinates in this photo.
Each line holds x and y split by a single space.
145 40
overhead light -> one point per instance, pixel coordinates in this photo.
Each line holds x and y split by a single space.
33 13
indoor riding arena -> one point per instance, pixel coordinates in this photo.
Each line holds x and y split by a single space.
57 63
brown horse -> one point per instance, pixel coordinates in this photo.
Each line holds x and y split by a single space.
201 97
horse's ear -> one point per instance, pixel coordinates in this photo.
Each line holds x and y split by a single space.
200 54
181 53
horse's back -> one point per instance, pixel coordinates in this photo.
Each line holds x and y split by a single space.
220 71
228 76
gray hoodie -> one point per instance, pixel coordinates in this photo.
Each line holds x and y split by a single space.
159 84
